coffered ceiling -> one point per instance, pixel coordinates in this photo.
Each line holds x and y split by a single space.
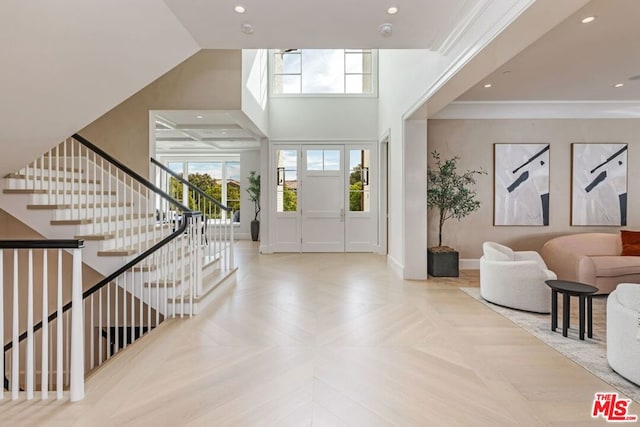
198 132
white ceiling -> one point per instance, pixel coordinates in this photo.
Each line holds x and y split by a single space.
182 132
424 24
574 61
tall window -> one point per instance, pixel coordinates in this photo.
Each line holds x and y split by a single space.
219 179
287 181
323 71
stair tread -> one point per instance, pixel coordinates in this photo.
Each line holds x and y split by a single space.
48 178
24 191
104 219
68 206
65 192
209 284
122 233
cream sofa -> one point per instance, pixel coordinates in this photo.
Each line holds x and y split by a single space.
623 343
591 258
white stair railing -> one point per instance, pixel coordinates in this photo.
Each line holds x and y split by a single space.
160 241
59 358
218 219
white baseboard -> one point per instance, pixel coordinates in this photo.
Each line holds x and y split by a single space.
470 264
395 265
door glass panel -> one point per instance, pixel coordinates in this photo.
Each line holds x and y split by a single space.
314 160
359 187
323 160
286 180
332 160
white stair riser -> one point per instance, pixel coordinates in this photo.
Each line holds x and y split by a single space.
54 186
104 226
78 199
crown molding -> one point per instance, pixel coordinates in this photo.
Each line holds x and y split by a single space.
540 110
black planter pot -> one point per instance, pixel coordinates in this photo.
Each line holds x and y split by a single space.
442 264
255 230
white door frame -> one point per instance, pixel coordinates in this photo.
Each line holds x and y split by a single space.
290 240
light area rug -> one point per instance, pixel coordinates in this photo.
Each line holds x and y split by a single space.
591 354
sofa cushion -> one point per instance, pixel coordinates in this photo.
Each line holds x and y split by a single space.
630 242
496 252
613 266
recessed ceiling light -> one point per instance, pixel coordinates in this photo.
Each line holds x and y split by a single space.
224 132
239 9
246 28
488 85
385 30
392 10
588 19
199 116
618 85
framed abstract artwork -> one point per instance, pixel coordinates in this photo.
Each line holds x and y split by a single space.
521 184
599 184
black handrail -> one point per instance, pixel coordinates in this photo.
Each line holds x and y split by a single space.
187 213
190 185
41 244
130 172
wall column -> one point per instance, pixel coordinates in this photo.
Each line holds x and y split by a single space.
415 199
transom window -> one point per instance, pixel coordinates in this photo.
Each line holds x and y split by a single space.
323 71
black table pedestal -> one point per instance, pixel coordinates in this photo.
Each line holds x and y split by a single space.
568 289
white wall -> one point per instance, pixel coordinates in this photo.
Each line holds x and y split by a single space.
320 119
405 75
67 63
408 79
255 87
307 118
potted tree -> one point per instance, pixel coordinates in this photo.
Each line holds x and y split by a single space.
254 196
452 195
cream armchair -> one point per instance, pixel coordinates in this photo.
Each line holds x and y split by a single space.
515 279
623 341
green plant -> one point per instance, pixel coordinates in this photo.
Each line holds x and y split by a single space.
449 191
254 192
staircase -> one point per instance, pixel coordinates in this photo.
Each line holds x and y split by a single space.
160 258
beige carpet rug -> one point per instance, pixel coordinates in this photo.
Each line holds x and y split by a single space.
591 353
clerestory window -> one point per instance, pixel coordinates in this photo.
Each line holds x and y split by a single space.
323 71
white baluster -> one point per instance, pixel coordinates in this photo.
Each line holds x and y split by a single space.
91 334
100 354
44 374
59 336
231 245
29 345
15 349
2 367
76 391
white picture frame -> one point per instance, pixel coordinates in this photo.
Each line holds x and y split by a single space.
521 184
599 184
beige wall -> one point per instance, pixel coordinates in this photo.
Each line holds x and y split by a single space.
209 80
473 141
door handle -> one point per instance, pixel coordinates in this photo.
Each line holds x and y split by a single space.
342 215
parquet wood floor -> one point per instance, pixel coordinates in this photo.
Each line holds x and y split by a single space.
331 340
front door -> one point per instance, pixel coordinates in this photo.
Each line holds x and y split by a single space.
325 198
322 207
